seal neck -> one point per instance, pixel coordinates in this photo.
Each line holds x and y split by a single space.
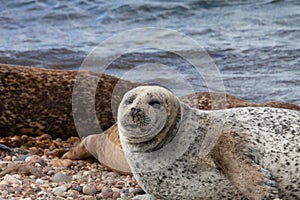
171 131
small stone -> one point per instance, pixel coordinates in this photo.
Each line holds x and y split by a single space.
124 197
116 195
78 188
116 189
37 159
126 191
12 180
39 181
61 177
89 198
51 172
3 183
77 177
37 189
120 184
28 159
72 193
106 189
144 197
138 191
106 192
113 174
89 190
86 173
7 158
59 190
67 163
22 158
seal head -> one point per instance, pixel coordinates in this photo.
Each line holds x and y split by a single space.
146 114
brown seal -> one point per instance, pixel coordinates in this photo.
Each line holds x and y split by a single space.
36 101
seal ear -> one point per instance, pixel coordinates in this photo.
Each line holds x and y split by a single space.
237 159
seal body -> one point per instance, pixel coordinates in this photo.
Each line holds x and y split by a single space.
242 153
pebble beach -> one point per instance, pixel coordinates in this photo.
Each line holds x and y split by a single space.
30 168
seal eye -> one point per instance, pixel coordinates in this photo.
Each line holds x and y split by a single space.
130 100
154 103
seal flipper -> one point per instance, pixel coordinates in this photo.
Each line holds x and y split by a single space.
238 162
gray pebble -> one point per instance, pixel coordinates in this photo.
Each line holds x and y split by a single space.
89 190
78 188
106 189
77 177
59 190
61 177
22 157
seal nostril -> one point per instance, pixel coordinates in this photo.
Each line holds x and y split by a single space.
135 110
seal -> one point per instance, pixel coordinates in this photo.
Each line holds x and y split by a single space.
36 101
107 149
179 152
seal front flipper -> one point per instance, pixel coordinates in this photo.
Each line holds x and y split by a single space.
237 160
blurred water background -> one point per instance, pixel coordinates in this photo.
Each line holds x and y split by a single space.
255 44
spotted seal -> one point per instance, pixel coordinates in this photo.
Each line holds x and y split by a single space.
107 148
184 153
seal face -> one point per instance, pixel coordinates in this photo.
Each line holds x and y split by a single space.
146 117
243 153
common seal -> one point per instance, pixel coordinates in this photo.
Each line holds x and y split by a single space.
107 149
183 153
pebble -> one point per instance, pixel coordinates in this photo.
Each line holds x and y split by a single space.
7 158
59 190
66 163
77 177
39 181
124 197
51 172
11 179
144 197
116 195
116 189
57 182
89 190
61 177
90 198
86 173
138 191
106 192
22 158
78 188
106 189
73 193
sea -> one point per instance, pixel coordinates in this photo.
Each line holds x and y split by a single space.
252 46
